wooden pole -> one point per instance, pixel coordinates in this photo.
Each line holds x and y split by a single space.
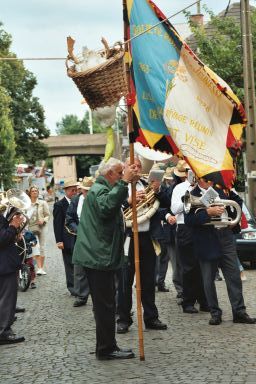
134 211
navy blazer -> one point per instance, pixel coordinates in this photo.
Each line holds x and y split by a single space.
59 215
10 261
205 237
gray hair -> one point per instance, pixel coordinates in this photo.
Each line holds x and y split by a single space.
136 157
106 166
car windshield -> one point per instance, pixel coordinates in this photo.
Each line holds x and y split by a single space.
248 214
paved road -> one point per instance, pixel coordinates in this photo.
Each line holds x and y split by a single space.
60 340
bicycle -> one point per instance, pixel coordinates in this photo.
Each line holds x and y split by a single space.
25 275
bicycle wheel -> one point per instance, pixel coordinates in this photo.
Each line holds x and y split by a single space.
24 278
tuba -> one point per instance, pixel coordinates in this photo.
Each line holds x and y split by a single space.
190 201
15 202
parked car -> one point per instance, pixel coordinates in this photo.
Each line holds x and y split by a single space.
246 240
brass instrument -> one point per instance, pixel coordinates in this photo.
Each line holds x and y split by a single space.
145 208
15 202
191 201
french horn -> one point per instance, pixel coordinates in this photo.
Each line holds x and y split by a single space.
190 201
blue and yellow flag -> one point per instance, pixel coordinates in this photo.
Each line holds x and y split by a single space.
181 106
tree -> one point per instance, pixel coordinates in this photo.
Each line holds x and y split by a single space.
71 125
25 110
219 47
7 142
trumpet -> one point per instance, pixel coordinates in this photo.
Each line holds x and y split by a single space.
146 208
191 201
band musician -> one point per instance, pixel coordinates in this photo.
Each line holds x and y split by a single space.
147 265
215 246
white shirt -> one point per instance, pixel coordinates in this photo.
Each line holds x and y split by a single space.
68 200
177 206
80 206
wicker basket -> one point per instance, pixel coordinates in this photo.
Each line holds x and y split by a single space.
104 84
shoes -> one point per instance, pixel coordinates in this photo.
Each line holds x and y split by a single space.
19 309
243 276
162 288
156 324
117 354
215 320
204 308
33 285
40 272
11 339
190 309
244 318
122 328
80 302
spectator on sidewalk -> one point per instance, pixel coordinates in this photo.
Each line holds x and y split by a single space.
39 215
73 214
64 240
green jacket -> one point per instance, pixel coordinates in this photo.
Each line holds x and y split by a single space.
100 235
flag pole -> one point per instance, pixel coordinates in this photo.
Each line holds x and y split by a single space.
134 211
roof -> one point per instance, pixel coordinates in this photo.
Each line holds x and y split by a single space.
232 11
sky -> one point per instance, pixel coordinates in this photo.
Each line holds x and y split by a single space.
39 29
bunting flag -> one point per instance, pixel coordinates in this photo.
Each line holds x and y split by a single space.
180 105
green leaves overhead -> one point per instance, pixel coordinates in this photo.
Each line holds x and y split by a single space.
26 115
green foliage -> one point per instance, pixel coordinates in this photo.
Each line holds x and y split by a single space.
7 142
25 110
221 49
72 125
83 163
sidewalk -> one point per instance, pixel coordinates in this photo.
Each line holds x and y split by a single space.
60 340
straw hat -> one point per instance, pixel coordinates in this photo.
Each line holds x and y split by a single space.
70 183
181 168
86 183
169 173
158 166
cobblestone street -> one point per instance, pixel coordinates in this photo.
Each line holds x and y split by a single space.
60 340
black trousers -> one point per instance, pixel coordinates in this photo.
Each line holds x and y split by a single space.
8 299
193 289
81 285
147 274
230 270
102 289
69 270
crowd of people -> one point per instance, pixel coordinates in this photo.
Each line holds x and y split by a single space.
98 250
